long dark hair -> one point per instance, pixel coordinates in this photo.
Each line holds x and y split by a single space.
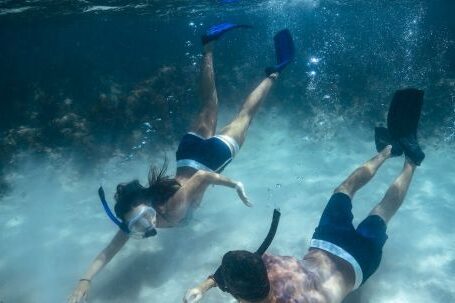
161 188
128 196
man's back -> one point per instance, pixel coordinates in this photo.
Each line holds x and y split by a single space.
319 278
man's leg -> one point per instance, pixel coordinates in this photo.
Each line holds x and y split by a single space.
238 128
374 227
205 123
394 196
363 174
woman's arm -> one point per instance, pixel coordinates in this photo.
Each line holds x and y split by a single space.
80 292
217 179
193 295
195 188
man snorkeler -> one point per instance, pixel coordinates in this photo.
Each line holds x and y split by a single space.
201 157
341 258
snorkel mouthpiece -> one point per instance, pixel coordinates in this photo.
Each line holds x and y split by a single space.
150 233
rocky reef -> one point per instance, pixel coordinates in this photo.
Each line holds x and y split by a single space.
119 122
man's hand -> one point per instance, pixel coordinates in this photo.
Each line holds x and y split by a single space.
79 294
193 295
241 192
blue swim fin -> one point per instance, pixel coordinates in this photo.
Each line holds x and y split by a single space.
216 31
402 122
284 50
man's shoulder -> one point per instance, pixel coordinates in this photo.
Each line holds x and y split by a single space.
290 279
282 264
274 259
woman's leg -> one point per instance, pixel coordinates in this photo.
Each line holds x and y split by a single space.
205 123
363 174
394 196
238 128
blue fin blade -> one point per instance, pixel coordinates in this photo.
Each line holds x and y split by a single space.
284 47
216 31
284 51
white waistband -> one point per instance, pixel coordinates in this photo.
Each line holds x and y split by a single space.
192 163
340 252
231 143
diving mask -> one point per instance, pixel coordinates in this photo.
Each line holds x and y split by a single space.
140 227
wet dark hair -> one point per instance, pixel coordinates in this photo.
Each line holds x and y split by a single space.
245 275
161 186
128 196
132 194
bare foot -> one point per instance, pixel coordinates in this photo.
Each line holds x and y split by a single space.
386 152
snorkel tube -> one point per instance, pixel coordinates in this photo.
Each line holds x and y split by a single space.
218 275
109 213
271 234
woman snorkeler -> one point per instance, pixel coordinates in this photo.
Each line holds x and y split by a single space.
201 157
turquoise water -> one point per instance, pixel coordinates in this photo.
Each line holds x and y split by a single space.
93 93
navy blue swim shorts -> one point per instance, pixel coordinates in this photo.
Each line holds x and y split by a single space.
361 247
212 154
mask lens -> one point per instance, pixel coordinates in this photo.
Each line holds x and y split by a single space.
142 225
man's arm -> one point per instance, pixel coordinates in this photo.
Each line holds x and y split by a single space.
193 295
80 292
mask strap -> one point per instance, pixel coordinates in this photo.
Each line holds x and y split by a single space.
271 234
109 213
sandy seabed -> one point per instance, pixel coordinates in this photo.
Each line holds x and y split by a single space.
52 224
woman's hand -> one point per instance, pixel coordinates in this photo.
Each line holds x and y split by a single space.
242 195
217 179
79 294
193 295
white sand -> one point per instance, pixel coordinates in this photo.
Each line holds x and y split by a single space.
52 225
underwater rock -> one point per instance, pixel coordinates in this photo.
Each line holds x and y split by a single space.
61 128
